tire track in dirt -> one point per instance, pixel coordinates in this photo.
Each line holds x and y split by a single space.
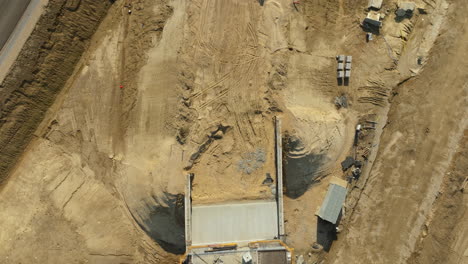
226 60
142 29
116 107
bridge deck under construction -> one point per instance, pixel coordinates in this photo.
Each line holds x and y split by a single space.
234 222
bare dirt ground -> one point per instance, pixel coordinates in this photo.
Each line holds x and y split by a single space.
193 86
42 68
444 237
425 123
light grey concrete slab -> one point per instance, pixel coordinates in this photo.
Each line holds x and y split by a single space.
235 222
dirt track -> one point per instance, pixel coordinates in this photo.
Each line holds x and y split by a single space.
192 86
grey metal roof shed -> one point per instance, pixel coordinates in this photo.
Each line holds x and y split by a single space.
333 203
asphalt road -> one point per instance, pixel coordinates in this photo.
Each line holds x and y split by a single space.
10 13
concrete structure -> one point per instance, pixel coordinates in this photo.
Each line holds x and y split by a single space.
188 210
334 201
375 4
238 232
234 222
373 19
259 252
279 175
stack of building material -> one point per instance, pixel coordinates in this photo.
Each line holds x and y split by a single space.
349 59
340 67
343 69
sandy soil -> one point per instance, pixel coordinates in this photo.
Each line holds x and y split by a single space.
182 86
43 66
444 236
77 180
416 151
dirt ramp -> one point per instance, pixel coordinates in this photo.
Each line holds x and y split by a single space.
46 62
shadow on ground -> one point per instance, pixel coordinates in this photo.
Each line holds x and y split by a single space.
326 233
164 224
302 172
